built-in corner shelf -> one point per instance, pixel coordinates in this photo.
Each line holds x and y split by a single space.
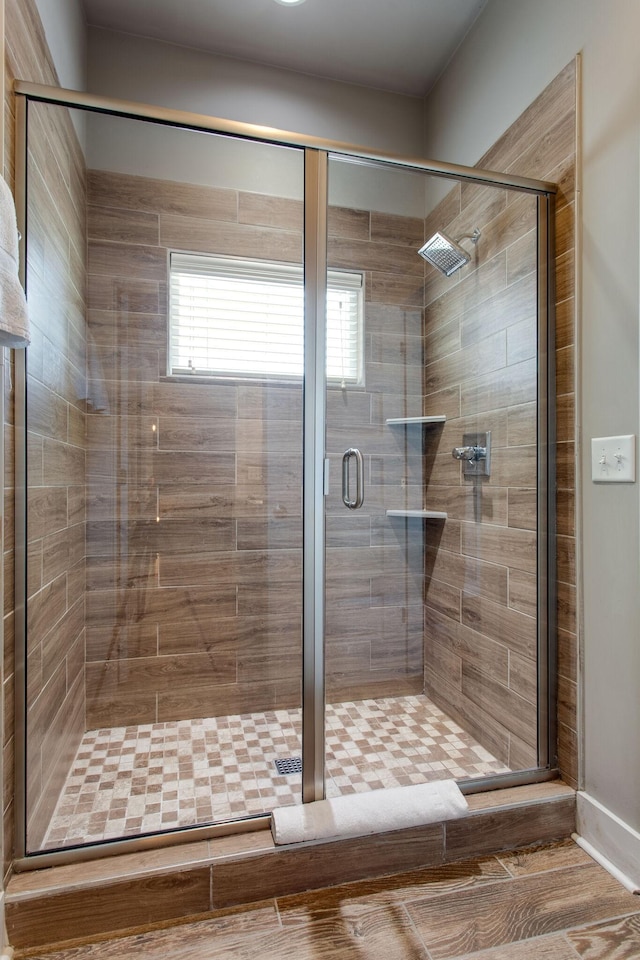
424 514
437 419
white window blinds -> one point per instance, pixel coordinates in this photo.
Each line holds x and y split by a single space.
244 318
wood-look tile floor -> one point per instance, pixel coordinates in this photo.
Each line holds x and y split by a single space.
143 779
550 902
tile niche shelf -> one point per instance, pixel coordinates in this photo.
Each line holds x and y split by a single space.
417 514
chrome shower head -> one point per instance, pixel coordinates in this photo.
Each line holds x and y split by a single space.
447 254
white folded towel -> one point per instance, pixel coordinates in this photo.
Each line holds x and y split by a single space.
14 323
376 811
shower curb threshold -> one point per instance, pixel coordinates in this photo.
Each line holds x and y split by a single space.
114 896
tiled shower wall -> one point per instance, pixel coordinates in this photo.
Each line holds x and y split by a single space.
195 531
480 370
57 242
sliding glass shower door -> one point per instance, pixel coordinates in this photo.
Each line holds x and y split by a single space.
282 525
164 476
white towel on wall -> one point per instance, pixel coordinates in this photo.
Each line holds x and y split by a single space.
14 323
377 811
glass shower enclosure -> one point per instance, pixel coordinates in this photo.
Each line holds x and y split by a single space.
284 513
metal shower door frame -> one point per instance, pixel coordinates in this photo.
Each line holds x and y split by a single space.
316 153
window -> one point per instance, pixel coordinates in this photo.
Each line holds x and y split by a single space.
244 318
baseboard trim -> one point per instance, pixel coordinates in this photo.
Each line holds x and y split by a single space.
609 840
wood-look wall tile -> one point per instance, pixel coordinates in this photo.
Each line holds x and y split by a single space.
384 317
394 348
510 546
472 718
229 239
218 701
470 502
229 568
514 467
467 294
122 641
522 257
488 355
395 288
122 294
122 226
523 677
513 386
565 418
199 434
126 327
565 512
461 640
347 659
180 467
474 577
522 424
374 256
565 465
565 323
445 402
442 340
444 211
160 674
348 224
170 604
568 755
442 597
120 710
479 205
566 559
500 310
568 656
565 378
127 260
567 701
272 632
557 99
262 210
523 508
268 402
566 607
522 341
124 191
509 627
393 229
46 608
523 592
565 276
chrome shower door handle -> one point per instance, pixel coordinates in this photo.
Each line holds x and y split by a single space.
352 452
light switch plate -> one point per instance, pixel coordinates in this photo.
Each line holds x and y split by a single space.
613 459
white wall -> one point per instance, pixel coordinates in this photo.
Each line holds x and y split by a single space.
171 76
65 30
149 71
513 51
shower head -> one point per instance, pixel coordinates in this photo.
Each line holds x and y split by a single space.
447 254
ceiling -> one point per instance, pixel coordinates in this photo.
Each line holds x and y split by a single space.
396 45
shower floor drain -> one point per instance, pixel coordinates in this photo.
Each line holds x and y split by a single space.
289 765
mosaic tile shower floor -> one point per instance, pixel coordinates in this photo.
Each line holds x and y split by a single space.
142 779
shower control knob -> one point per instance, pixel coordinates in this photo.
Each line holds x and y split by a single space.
469 453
